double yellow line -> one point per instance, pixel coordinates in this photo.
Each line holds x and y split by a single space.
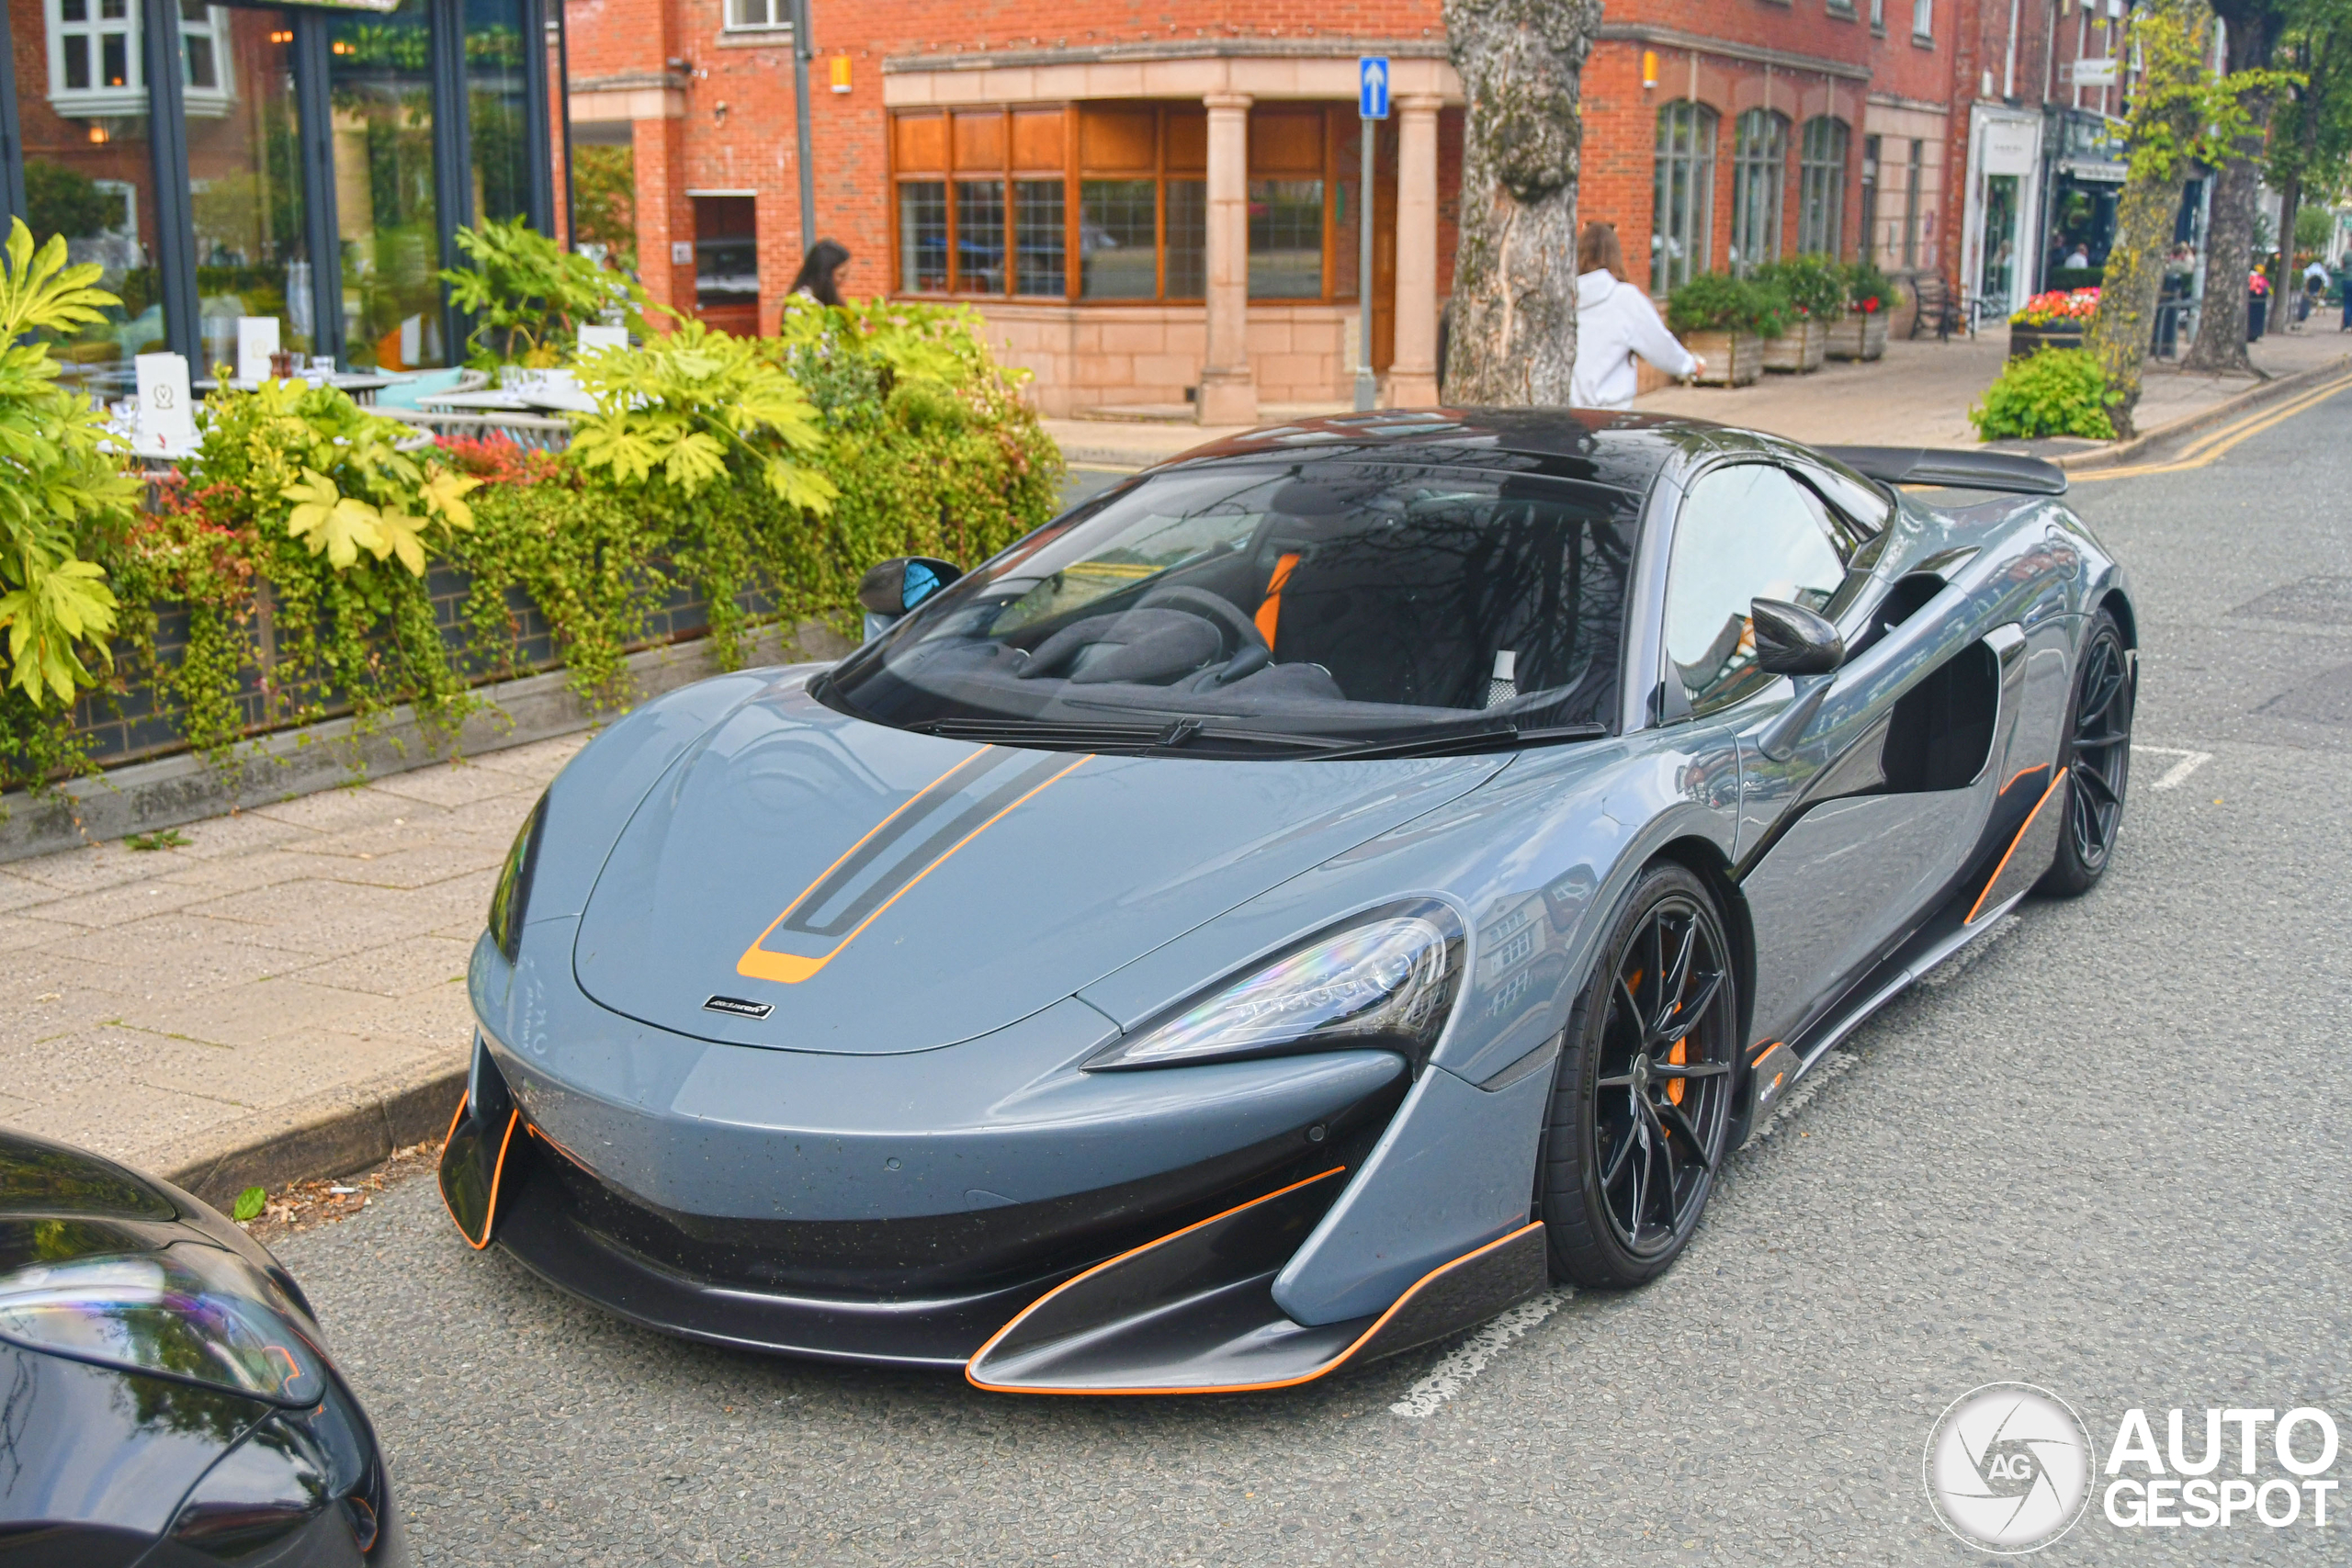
2211 447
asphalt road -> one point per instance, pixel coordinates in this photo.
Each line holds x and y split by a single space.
2107 1156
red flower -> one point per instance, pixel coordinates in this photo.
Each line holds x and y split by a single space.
1870 305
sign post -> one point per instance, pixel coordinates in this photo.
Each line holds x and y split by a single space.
1372 106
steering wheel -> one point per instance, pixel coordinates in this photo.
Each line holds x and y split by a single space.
1242 631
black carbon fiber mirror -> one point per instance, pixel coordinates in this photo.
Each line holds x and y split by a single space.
1792 640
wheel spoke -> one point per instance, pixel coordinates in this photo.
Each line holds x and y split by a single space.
2096 783
1616 1164
1682 1022
1623 1081
1632 1012
1680 1125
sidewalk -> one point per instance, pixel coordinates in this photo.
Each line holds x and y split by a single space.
293 976
1918 396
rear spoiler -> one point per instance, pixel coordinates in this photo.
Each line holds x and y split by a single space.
1958 470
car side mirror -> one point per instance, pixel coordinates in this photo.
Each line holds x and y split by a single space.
891 588
1792 640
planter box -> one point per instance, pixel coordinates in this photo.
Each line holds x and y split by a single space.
1733 359
1797 352
1858 336
2024 340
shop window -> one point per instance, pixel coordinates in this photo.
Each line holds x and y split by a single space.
380 81
497 111
245 179
1038 241
1119 189
752 13
95 68
1923 21
1821 187
1116 240
1682 204
1759 162
922 235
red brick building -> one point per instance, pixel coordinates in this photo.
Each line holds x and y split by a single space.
1155 204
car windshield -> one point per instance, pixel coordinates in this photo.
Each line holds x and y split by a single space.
1251 610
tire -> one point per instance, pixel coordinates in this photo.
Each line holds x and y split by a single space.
2096 753
1631 1151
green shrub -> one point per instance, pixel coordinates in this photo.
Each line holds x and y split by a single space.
1816 286
529 297
1714 301
1869 290
2053 391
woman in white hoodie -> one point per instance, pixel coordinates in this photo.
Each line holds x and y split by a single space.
1615 322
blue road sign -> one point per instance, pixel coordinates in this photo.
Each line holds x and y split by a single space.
1372 86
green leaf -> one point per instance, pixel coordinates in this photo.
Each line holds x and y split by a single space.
250 1204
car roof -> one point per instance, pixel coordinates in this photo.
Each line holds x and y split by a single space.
1623 450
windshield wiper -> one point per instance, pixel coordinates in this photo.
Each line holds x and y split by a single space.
1493 737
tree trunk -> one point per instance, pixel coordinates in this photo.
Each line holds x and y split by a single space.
2120 334
1513 337
2229 242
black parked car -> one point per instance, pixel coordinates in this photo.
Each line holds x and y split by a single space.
166 1395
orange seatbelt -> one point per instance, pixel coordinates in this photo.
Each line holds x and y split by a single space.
1270 612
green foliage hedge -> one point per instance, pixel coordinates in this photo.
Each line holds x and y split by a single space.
2052 391
1714 301
873 431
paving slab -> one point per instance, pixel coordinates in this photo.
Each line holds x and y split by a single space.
281 997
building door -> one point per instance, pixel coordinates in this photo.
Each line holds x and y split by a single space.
727 263
1997 278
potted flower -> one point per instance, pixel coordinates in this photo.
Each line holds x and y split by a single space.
1724 322
2055 320
1870 297
1816 296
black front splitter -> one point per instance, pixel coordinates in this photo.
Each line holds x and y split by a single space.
543 1232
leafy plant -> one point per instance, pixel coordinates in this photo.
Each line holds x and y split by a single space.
2053 391
250 1204
694 405
61 482
530 296
1868 290
1714 301
1816 286
162 838
604 199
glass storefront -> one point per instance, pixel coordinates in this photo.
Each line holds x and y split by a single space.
300 168
2000 248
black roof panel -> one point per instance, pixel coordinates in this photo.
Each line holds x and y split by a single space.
1624 451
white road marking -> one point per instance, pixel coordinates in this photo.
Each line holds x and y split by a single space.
2178 774
1467 1359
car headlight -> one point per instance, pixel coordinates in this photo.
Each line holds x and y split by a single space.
513 893
190 1313
1386 981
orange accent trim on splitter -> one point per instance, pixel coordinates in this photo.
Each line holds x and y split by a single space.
490 1212
1334 1364
2023 827
1270 609
1757 1060
2021 773
791 969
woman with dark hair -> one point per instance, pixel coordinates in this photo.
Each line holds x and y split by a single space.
820 272
1616 321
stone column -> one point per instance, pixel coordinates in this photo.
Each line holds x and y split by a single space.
1412 373
1228 390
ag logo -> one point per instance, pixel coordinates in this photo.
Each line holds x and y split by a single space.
2008 1468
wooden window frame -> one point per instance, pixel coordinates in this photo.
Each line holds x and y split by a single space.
1336 125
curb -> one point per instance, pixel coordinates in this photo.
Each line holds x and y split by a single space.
332 1133
142 797
2205 418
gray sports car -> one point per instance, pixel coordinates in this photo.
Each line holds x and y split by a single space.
1292 906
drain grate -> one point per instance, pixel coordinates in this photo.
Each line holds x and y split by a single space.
2316 601
2326 699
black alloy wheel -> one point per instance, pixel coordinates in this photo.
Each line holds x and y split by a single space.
1643 1101
2098 757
